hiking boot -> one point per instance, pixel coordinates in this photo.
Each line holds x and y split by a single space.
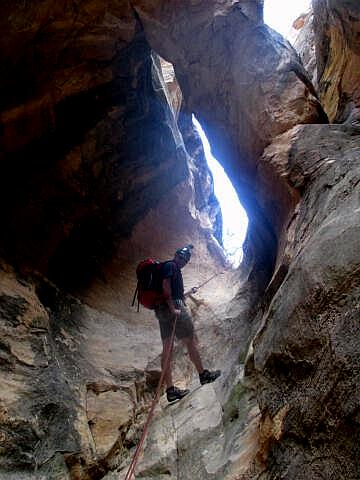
174 393
209 377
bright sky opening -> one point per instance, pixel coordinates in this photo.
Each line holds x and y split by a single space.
281 14
235 220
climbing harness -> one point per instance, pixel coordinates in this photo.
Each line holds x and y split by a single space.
131 470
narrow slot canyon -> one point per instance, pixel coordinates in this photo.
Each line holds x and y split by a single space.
234 218
102 164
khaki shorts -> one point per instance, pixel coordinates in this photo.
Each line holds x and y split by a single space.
184 325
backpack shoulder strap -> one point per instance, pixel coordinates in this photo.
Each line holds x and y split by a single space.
175 269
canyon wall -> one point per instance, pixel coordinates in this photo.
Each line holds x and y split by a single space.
100 167
336 27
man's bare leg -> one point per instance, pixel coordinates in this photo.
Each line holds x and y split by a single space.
194 353
205 376
167 346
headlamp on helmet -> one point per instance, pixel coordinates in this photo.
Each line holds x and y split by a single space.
185 252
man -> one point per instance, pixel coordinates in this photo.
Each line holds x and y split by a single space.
174 307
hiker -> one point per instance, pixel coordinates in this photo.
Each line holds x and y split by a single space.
174 306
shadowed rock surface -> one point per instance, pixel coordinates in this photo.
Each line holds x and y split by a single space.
305 45
100 167
336 26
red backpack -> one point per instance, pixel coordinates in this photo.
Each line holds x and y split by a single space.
149 284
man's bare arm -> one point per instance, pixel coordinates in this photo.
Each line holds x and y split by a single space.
167 294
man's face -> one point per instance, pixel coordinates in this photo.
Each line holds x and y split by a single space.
181 260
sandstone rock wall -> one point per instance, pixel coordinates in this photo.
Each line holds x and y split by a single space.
93 159
304 44
305 354
336 26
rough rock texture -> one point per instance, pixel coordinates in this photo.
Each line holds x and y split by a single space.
172 85
304 44
95 155
57 408
306 352
336 26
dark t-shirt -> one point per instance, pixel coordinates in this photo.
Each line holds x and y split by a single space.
170 270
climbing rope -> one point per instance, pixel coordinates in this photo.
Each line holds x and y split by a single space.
195 289
131 470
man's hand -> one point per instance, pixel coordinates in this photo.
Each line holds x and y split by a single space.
191 291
